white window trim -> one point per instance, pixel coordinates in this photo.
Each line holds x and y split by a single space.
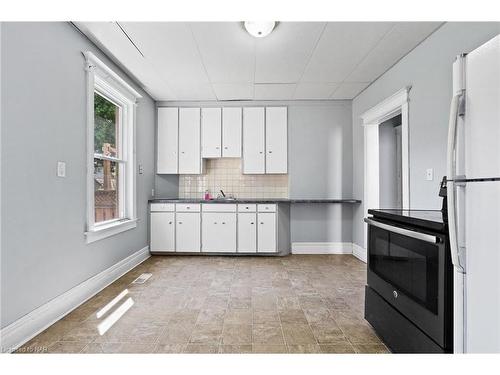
102 79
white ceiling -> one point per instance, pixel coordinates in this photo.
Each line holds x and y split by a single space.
221 61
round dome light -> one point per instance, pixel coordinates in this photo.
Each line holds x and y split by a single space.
260 29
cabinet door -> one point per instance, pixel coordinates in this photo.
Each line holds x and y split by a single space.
189 141
219 232
276 140
266 232
211 132
231 132
247 232
162 232
253 141
187 232
168 137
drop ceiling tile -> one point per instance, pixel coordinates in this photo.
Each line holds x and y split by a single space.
199 91
341 47
233 91
397 43
227 50
349 90
111 39
171 49
307 90
282 56
274 91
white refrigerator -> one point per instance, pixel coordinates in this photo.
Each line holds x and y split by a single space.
473 187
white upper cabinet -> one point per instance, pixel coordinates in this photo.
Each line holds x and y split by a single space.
276 140
254 140
231 132
189 141
168 134
211 124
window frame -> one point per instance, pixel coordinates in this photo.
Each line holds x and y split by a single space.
106 83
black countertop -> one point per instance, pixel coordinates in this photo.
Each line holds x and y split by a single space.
430 219
254 200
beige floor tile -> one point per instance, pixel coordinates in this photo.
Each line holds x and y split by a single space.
298 334
337 349
170 348
211 316
201 349
269 349
235 349
67 347
371 348
236 334
206 334
296 316
176 334
304 349
265 316
239 316
328 334
267 333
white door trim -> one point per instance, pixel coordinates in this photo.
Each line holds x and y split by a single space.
393 105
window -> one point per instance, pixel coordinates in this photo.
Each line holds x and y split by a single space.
111 203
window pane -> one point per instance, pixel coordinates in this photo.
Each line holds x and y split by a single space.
106 120
106 190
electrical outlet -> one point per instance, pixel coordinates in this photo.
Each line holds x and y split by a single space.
429 174
141 169
61 169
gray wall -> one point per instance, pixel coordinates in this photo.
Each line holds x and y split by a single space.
320 164
44 120
428 69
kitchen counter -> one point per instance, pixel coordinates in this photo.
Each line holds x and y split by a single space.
254 200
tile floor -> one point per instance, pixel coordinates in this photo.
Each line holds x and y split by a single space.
201 304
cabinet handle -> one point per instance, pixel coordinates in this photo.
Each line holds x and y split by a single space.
223 223
225 148
270 152
188 208
182 152
252 223
170 222
262 222
260 152
215 222
180 222
217 148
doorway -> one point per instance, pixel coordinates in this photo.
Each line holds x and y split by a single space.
390 163
386 153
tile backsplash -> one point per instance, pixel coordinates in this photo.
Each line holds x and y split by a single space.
226 174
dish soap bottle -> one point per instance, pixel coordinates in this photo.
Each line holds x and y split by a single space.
207 195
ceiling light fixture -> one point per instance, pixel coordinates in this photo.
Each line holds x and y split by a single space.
259 29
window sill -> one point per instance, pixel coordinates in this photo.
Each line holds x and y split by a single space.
104 231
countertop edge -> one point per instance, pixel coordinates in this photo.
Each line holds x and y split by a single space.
256 200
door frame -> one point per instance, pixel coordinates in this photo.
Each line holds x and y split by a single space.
398 103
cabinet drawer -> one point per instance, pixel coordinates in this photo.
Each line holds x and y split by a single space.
266 207
218 207
162 207
190 207
247 208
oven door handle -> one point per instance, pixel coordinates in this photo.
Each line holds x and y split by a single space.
404 232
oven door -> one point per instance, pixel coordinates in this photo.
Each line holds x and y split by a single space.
407 268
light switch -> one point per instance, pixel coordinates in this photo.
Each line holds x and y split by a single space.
61 169
141 169
429 174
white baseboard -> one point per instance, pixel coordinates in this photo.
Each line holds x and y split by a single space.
359 252
31 324
321 248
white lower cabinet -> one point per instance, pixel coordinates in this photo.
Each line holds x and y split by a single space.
266 232
162 232
187 232
219 232
247 232
217 228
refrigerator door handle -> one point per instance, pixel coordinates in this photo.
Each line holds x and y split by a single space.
450 172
